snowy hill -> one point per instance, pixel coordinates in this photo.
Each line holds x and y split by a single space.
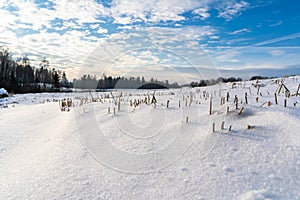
106 148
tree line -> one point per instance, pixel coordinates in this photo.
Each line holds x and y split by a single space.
203 83
18 76
109 82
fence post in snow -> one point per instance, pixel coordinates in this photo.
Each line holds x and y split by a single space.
236 101
284 102
227 97
258 88
210 106
241 111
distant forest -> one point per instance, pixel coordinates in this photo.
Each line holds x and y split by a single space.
89 81
18 76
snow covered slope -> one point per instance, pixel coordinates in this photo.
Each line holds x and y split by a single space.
144 152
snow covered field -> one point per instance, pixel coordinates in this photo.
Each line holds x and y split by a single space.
144 152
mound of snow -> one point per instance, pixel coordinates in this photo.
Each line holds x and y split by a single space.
256 195
3 93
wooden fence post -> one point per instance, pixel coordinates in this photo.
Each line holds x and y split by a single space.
210 106
276 100
284 102
241 111
236 101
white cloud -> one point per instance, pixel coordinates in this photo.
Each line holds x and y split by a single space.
202 12
79 52
275 40
244 30
125 27
214 37
75 13
154 11
232 8
84 11
126 12
81 11
102 30
76 48
123 20
28 12
94 26
228 56
277 52
7 19
276 24
146 50
67 51
2 3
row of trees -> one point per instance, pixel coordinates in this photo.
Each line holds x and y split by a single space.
108 82
204 83
19 76
91 82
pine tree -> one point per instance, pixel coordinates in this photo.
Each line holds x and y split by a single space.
56 79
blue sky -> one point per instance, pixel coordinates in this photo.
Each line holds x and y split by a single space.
179 40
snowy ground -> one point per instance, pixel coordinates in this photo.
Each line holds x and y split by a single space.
152 153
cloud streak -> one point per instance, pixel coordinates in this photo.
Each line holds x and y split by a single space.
244 30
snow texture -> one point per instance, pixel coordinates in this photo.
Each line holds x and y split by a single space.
144 152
